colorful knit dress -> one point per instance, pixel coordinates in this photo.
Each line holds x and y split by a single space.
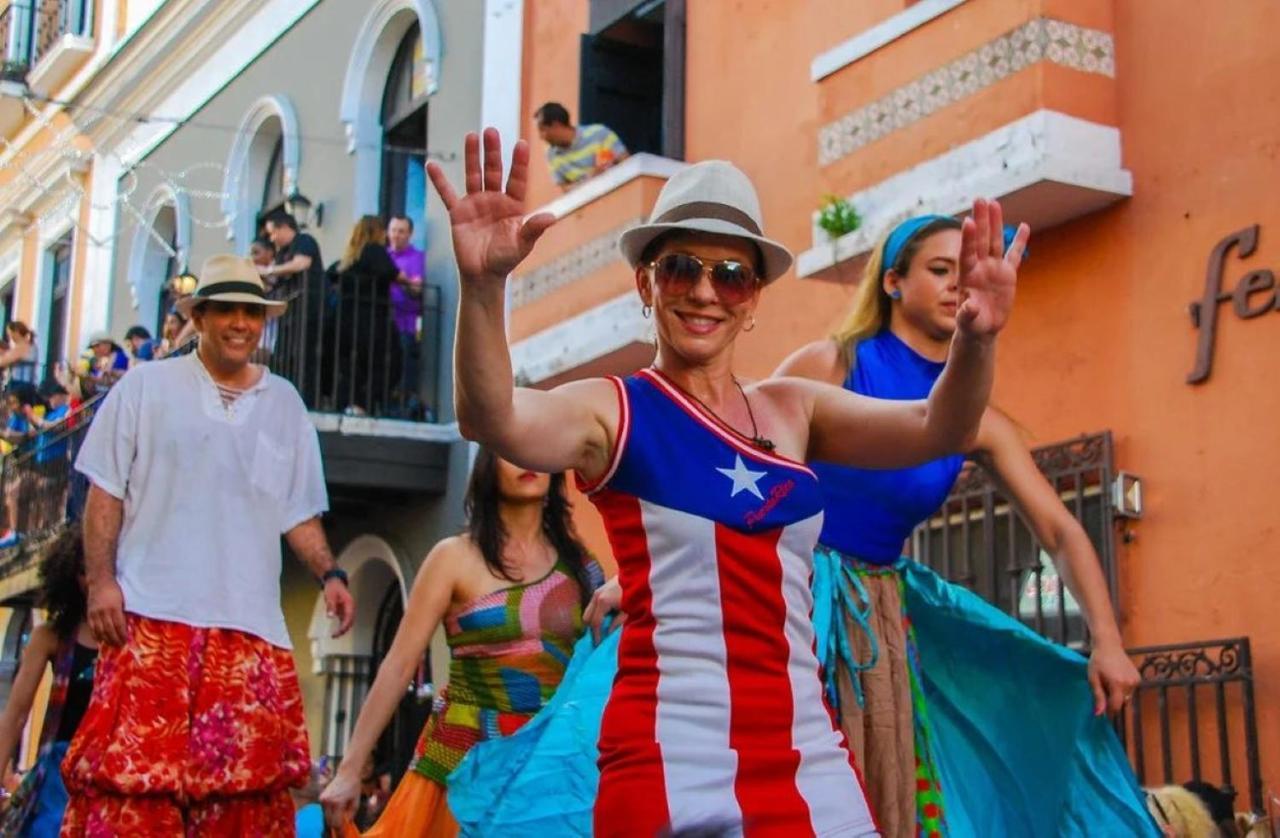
508 649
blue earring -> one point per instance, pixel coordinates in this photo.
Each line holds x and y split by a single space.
895 294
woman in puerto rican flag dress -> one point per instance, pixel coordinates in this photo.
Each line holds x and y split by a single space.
716 722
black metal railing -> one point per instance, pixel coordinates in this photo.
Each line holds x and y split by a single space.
1193 716
17 33
55 18
339 344
346 682
41 491
980 540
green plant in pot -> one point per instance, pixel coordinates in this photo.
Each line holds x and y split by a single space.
838 217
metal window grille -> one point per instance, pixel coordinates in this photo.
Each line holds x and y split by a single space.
979 540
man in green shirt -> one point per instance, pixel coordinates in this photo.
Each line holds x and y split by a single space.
576 154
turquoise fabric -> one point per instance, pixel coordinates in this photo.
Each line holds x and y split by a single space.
542 779
1018 749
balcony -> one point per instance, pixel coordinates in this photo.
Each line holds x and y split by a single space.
573 306
15 45
373 398
62 41
1017 101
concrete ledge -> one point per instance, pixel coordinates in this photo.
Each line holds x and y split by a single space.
883 33
1046 169
635 166
610 338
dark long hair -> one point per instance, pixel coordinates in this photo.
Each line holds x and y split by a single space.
484 523
60 593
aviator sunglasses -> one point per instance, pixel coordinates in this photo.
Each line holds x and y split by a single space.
677 273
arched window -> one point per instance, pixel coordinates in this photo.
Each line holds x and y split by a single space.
273 190
166 227
404 121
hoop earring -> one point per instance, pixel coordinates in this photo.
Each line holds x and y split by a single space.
645 311
751 324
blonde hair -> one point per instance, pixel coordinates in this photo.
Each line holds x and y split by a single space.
869 314
368 230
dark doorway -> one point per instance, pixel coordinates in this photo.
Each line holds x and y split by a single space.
394 750
632 72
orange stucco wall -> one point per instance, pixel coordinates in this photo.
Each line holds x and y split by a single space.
1101 338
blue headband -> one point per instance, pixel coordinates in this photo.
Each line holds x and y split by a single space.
907 230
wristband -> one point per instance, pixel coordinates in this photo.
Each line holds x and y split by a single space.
335 573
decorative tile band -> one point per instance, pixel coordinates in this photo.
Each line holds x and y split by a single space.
1042 39
582 261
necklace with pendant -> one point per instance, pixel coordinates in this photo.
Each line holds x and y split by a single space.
763 443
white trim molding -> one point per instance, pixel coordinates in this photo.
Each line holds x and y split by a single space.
372 54
614 178
501 67
238 204
581 340
883 33
1046 168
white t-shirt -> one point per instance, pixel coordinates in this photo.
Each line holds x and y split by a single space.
207 492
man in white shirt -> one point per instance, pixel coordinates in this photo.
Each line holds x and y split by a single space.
198 465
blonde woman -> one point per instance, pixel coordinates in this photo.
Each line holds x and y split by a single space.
917 667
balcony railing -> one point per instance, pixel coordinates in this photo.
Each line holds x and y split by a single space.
42 493
17 33
339 345
55 18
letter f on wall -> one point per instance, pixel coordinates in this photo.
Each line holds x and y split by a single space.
1204 312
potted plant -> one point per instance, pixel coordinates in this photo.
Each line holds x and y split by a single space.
838 217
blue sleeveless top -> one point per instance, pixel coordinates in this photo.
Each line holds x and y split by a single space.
870 513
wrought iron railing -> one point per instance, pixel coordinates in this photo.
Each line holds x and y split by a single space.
346 682
980 540
17 33
55 18
1193 717
41 491
340 346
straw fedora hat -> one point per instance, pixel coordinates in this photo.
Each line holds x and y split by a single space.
230 279
102 337
713 196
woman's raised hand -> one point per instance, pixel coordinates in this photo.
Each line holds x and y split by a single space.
490 233
988 273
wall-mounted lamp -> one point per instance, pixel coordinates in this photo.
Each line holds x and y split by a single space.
1126 495
184 284
300 207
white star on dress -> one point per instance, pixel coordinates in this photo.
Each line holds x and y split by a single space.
744 479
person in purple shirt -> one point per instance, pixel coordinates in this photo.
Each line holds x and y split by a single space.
406 304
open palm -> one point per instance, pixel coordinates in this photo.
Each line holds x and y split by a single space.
988 273
490 233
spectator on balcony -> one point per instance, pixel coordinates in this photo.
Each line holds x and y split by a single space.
406 306
174 335
65 644
576 154
109 362
298 274
50 463
140 345
365 277
263 255
196 723
20 360
24 403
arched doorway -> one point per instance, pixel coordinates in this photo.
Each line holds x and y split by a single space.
262 167
395 746
406 34
161 243
349 663
404 138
